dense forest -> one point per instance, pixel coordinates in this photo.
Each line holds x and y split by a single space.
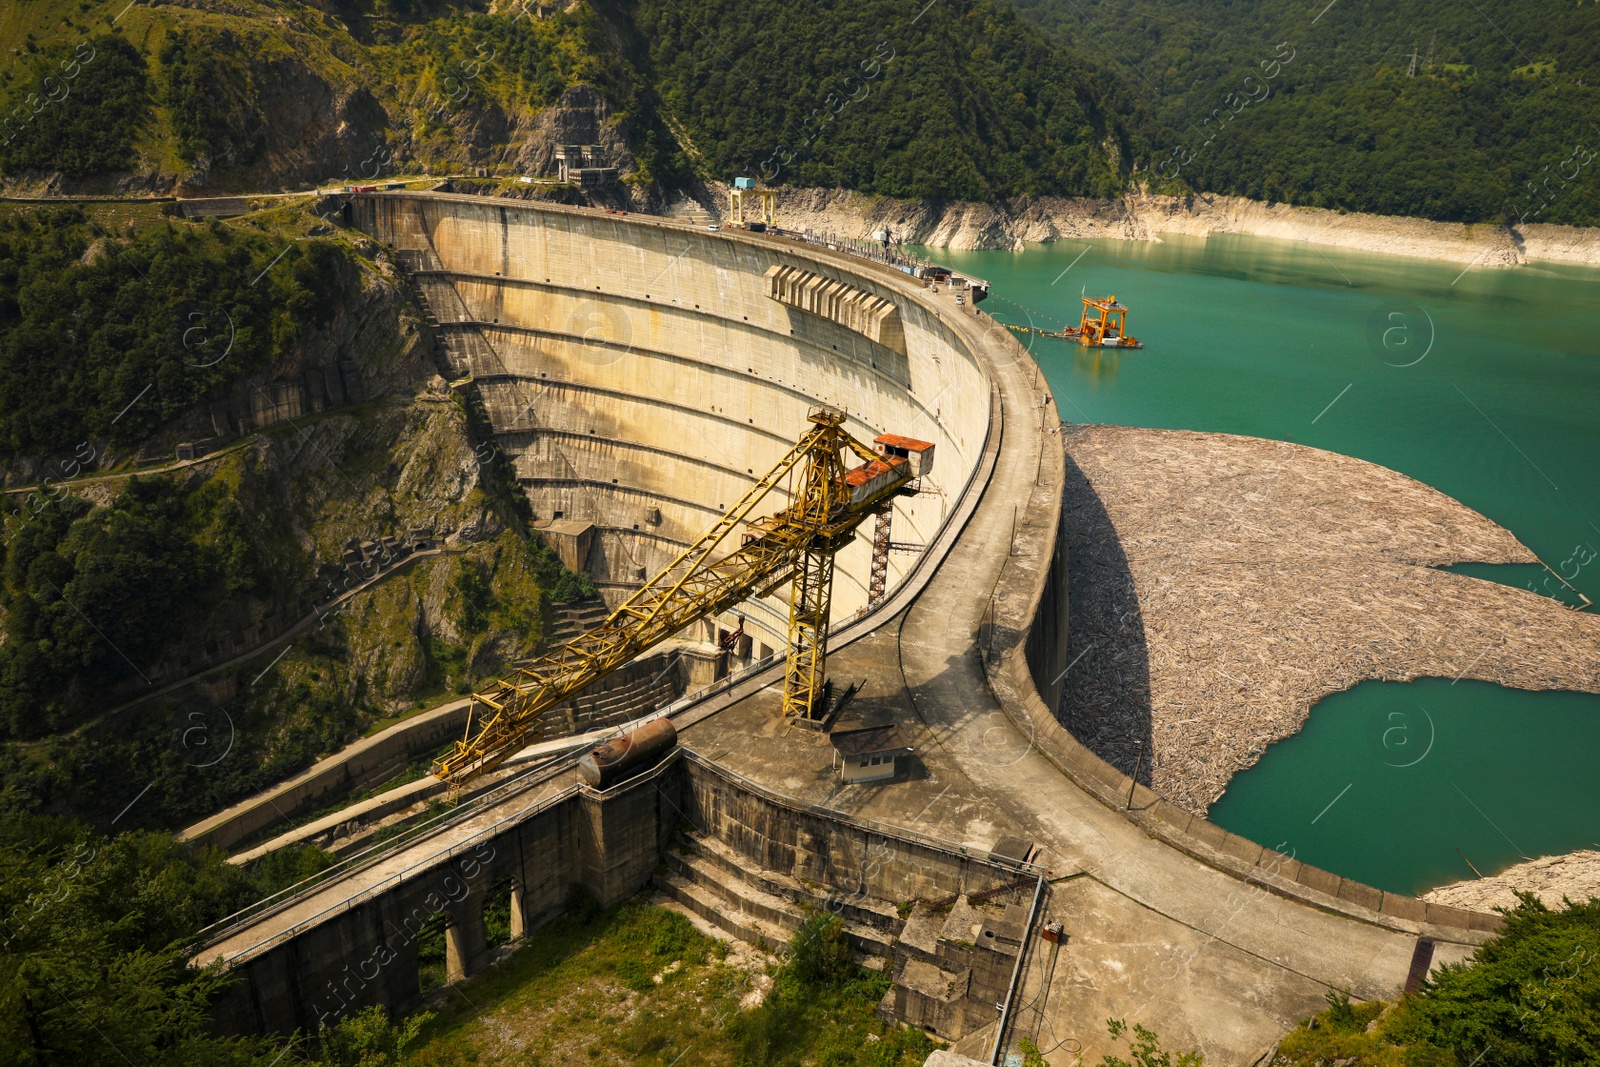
1475 112
960 100
1480 112
87 324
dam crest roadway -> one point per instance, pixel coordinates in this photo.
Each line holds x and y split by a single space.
638 372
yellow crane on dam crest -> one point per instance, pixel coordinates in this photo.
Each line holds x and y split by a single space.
796 544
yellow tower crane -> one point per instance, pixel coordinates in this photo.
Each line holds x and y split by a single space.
796 543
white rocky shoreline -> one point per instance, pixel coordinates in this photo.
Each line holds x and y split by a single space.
1012 224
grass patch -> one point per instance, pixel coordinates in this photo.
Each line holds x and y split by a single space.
638 984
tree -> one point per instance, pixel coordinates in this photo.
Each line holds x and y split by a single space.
1530 996
81 110
820 952
92 931
1146 1049
369 1039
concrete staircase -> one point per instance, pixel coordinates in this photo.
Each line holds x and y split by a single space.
414 260
951 959
691 211
576 618
636 689
764 907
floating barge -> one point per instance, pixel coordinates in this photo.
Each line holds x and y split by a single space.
1107 329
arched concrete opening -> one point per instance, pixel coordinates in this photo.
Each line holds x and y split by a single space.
501 922
432 971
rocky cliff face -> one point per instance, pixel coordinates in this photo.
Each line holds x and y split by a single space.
384 549
1012 224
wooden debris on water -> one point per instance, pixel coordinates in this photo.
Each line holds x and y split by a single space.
1220 586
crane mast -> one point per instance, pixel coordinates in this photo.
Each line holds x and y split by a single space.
798 542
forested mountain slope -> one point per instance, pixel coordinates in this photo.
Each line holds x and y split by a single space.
1486 111
962 99
288 358
1483 111
958 99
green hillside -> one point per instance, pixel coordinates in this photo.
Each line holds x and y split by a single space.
260 94
963 100
959 100
124 575
1497 118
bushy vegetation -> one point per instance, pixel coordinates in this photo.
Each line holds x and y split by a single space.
92 967
964 102
287 866
1494 123
91 594
78 111
368 1039
111 339
1528 998
638 984
822 1009
209 90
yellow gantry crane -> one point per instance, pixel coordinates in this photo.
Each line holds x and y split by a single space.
1109 329
797 543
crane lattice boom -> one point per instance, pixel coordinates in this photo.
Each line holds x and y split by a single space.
799 541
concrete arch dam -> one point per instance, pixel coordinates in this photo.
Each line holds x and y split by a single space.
694 357
639 373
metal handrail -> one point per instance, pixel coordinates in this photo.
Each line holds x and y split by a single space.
1016 975
366 857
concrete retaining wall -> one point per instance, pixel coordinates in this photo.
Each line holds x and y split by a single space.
364 952
363 763
636 689
817 845
1028 677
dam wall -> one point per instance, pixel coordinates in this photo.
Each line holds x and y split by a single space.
641 373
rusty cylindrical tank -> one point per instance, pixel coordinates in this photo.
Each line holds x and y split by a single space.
622 756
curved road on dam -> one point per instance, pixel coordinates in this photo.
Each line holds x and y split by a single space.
1205 958
1171 923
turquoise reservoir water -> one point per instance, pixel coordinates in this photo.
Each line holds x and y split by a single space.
1484 384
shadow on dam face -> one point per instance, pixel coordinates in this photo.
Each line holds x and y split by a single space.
1105 699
